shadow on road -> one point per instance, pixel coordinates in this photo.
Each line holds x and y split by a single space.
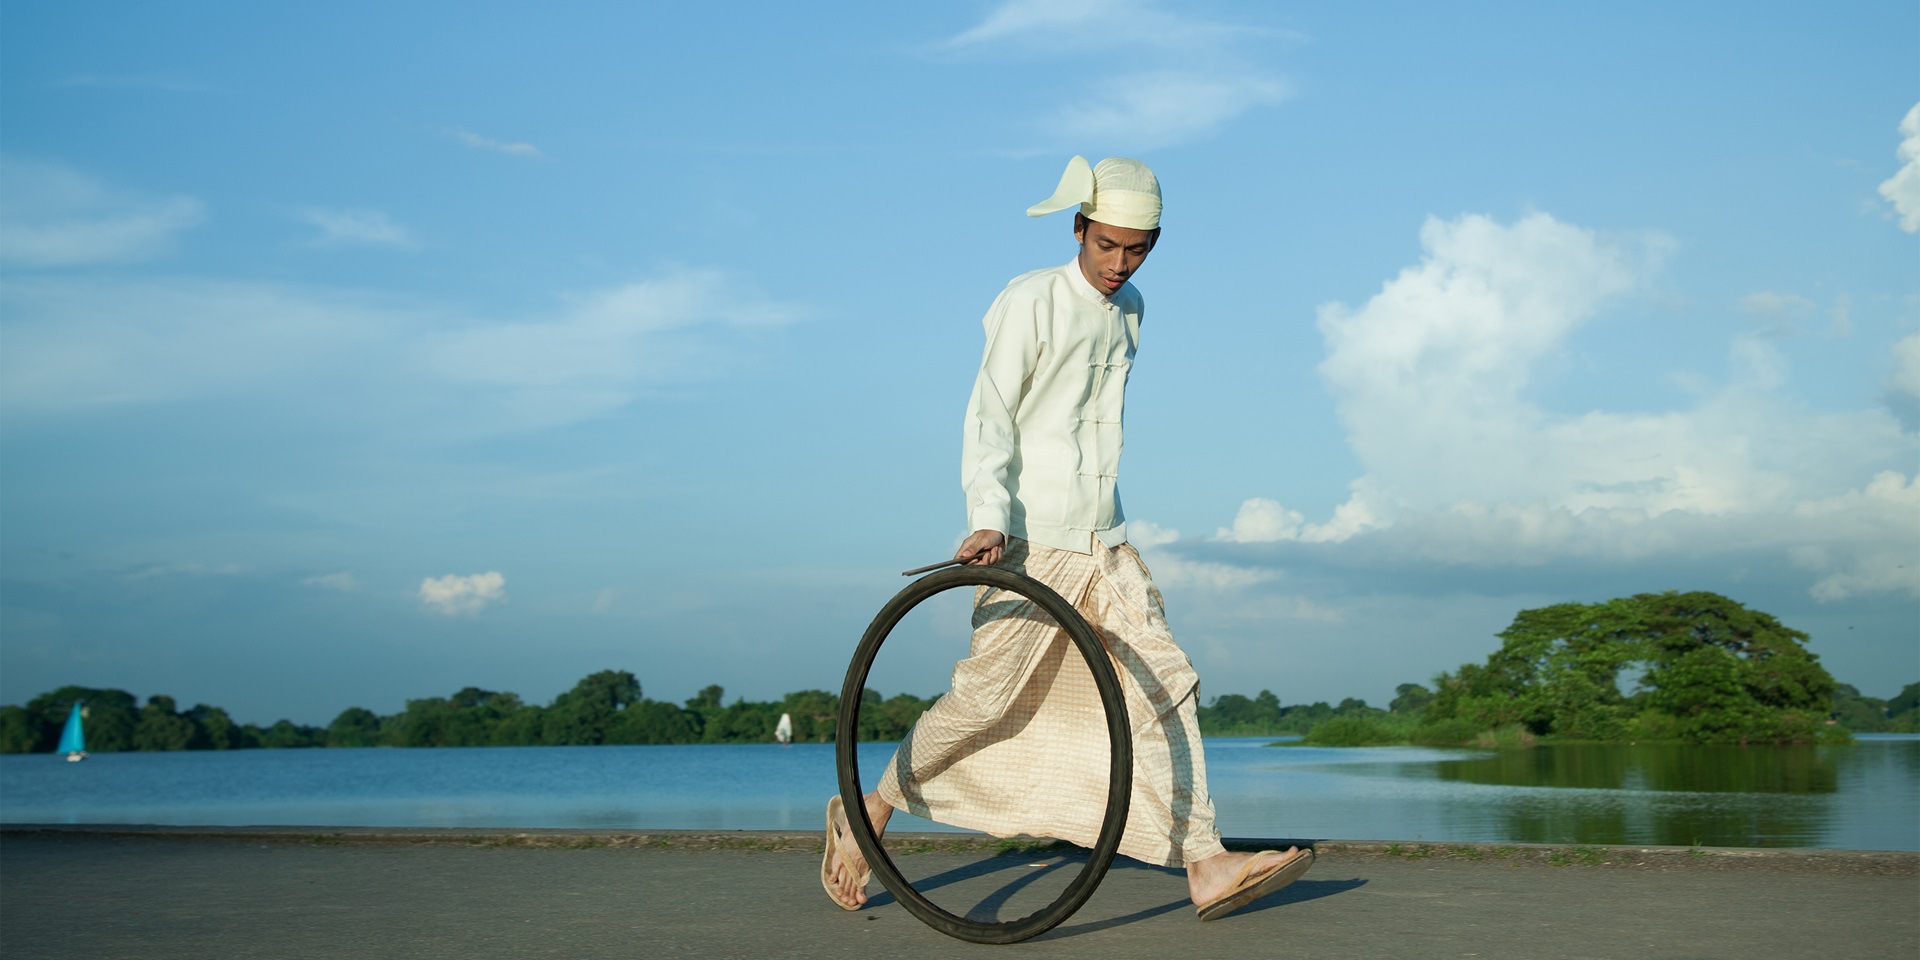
1033 867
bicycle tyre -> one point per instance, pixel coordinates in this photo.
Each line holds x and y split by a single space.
1119 735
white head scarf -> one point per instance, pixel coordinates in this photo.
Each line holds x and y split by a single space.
1119 192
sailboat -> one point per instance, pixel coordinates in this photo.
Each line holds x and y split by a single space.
784 731
73 740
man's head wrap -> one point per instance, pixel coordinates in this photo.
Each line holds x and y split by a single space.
1119 192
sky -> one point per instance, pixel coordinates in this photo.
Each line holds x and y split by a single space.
358 352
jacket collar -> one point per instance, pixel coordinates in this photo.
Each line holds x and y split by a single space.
1078 281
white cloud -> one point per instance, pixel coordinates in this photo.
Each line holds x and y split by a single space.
1172 569
1432 379
342 581
1261 520
1187 77
1903 383
361 226
165 570
455 595
1146 533
1104 25
1903 188
104 342
1167 106
479 142
589 358
1883 520
74 345
57 217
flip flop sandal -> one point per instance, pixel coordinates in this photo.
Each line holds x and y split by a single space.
1248 887
836 813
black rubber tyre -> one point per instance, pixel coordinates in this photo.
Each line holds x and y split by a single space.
1119 734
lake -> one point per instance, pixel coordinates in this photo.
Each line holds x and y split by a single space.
1861 796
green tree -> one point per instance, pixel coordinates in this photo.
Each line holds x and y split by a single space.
213 729
283 734
1410 698
111 717
815 715
521 728
354 727
1709 669
1905 703
1232 714
650 721
583 715
161 727
20 730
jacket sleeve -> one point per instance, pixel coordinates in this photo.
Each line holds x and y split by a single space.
987 450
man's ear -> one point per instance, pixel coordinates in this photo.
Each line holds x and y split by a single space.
1153 239
1079 228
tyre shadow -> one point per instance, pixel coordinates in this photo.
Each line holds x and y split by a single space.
1031 867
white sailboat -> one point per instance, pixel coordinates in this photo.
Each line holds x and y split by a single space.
784 731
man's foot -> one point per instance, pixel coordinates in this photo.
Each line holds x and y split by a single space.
1226 882
844 870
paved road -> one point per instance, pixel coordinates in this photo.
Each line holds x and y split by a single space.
156 895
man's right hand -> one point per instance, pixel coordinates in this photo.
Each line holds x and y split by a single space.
982 548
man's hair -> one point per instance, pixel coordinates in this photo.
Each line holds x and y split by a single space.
1080 222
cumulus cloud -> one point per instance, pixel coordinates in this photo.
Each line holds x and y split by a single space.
57 217
1463 468
360 227
1902 190
1192 77
456 595
479 142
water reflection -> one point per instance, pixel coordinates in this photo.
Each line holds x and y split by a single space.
1865 796
1672 794
1665 767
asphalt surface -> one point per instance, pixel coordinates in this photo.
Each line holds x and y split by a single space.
109 893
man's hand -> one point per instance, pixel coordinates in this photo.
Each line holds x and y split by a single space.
982 548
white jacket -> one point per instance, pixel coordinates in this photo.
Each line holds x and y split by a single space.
1040 458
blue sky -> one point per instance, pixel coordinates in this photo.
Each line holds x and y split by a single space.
365 351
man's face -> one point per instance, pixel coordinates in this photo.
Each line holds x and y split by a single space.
1110 254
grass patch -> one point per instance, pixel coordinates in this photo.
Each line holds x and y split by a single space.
1580 857
1353 732
1505 738
1419 851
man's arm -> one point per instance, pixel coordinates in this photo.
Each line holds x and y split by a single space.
987 447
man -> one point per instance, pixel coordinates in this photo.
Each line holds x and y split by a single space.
1019 745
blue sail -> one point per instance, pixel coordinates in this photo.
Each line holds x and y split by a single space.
72 739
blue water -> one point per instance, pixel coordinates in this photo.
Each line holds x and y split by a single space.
1863 796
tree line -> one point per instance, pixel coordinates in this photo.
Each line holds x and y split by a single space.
1690 667
604 708
1693 667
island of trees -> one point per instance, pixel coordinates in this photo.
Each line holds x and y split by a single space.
1692 667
